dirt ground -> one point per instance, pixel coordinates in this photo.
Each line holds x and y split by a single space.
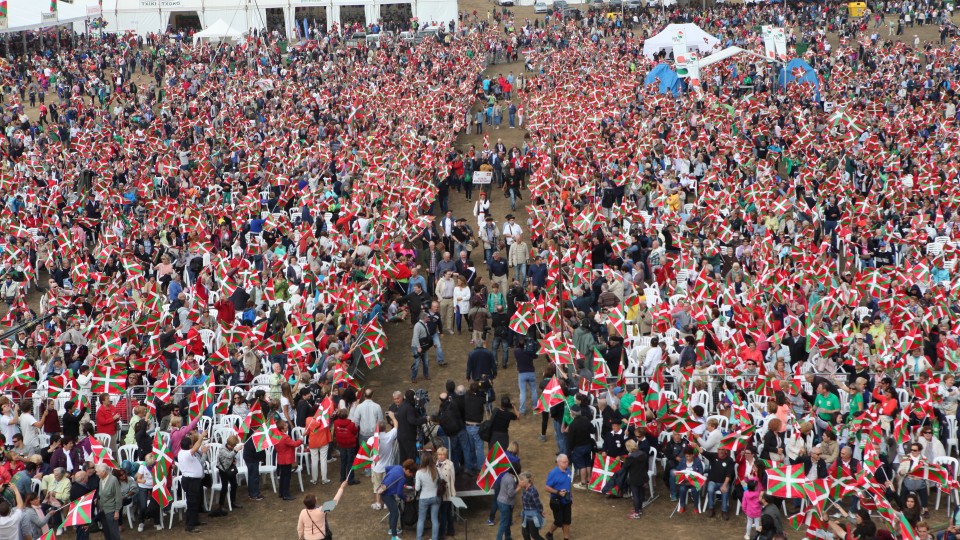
594 517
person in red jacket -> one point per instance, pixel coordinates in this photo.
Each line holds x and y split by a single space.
286 457
108 418
345 434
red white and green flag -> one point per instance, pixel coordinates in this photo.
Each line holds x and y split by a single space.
786 481
558 349
202 398
690 477
734 441
266 437
300 345
552 395
58 384
603 470
99 454
23 373
108 379
80 511
817 492
496 464
324 412
161 493
373 343
523 318
161 447
931 473
368 453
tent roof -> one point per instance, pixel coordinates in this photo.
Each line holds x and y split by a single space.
696 39
218 30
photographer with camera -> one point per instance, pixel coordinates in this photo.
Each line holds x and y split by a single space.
408 420
419 345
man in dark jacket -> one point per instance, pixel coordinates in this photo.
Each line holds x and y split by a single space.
252 458
71 420
305 408
580 443
473 410
407 423
481 364
416 301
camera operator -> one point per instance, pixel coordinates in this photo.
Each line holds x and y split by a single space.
408 420
450 418
473 409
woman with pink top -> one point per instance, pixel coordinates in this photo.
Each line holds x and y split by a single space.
751 507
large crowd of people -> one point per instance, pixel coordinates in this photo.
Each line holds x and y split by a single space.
744 292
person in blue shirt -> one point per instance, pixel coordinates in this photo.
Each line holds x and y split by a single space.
256 225
394 480
174 288
559 483
538 273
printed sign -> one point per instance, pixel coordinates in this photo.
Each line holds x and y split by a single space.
482 177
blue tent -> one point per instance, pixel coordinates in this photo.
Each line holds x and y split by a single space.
669 82
809 75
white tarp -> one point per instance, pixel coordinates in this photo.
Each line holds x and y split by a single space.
695 38
218 31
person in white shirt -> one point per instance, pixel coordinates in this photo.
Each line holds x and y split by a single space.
709 442
654 357
511 231
30 426
388 445
144 480
367 415
192 480
10 517
9 421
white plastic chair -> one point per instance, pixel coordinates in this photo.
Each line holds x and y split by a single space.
951 465
270 467
103 439
230 420
179 501
209 338
952 435
127 452
652 470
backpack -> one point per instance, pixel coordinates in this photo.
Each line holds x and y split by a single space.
450 421
485 431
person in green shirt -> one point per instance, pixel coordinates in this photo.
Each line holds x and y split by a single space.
856 397
825 406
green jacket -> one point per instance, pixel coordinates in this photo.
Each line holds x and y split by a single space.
111 500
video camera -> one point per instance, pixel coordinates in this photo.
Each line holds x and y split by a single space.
421 398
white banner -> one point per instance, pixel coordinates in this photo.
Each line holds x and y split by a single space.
161 3
780 43
94 10
680 54
768 47
3 23
48 16
482 177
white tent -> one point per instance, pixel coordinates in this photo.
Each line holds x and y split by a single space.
288 16
218 31
696 38
22 15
